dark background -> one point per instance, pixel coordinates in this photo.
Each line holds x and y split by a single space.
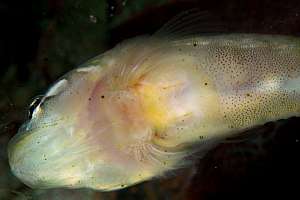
41 40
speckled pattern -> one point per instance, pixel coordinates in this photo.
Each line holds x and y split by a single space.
42 40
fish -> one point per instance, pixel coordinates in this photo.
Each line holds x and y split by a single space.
143 108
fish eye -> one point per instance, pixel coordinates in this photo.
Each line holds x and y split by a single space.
33 105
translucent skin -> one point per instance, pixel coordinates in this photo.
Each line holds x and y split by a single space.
142 108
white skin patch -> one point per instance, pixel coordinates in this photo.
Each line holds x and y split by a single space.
272 85
293 84
88 69
57 88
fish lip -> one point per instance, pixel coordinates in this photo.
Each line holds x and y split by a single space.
12 147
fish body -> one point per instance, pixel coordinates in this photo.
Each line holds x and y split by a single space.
142 108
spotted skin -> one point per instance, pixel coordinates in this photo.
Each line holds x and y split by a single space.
143 108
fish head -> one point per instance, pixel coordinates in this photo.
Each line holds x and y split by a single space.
82 134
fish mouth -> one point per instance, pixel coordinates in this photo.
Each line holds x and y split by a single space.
18 152
25 156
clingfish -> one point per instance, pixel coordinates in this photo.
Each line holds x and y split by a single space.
143 108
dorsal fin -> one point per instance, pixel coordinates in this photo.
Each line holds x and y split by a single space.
191 23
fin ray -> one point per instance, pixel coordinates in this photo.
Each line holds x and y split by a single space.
189 23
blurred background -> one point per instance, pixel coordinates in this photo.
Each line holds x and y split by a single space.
40 40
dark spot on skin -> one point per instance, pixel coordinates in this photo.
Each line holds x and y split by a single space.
205 83
179 49
102 96
195 44
122 185
90 98
248 95
156 134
